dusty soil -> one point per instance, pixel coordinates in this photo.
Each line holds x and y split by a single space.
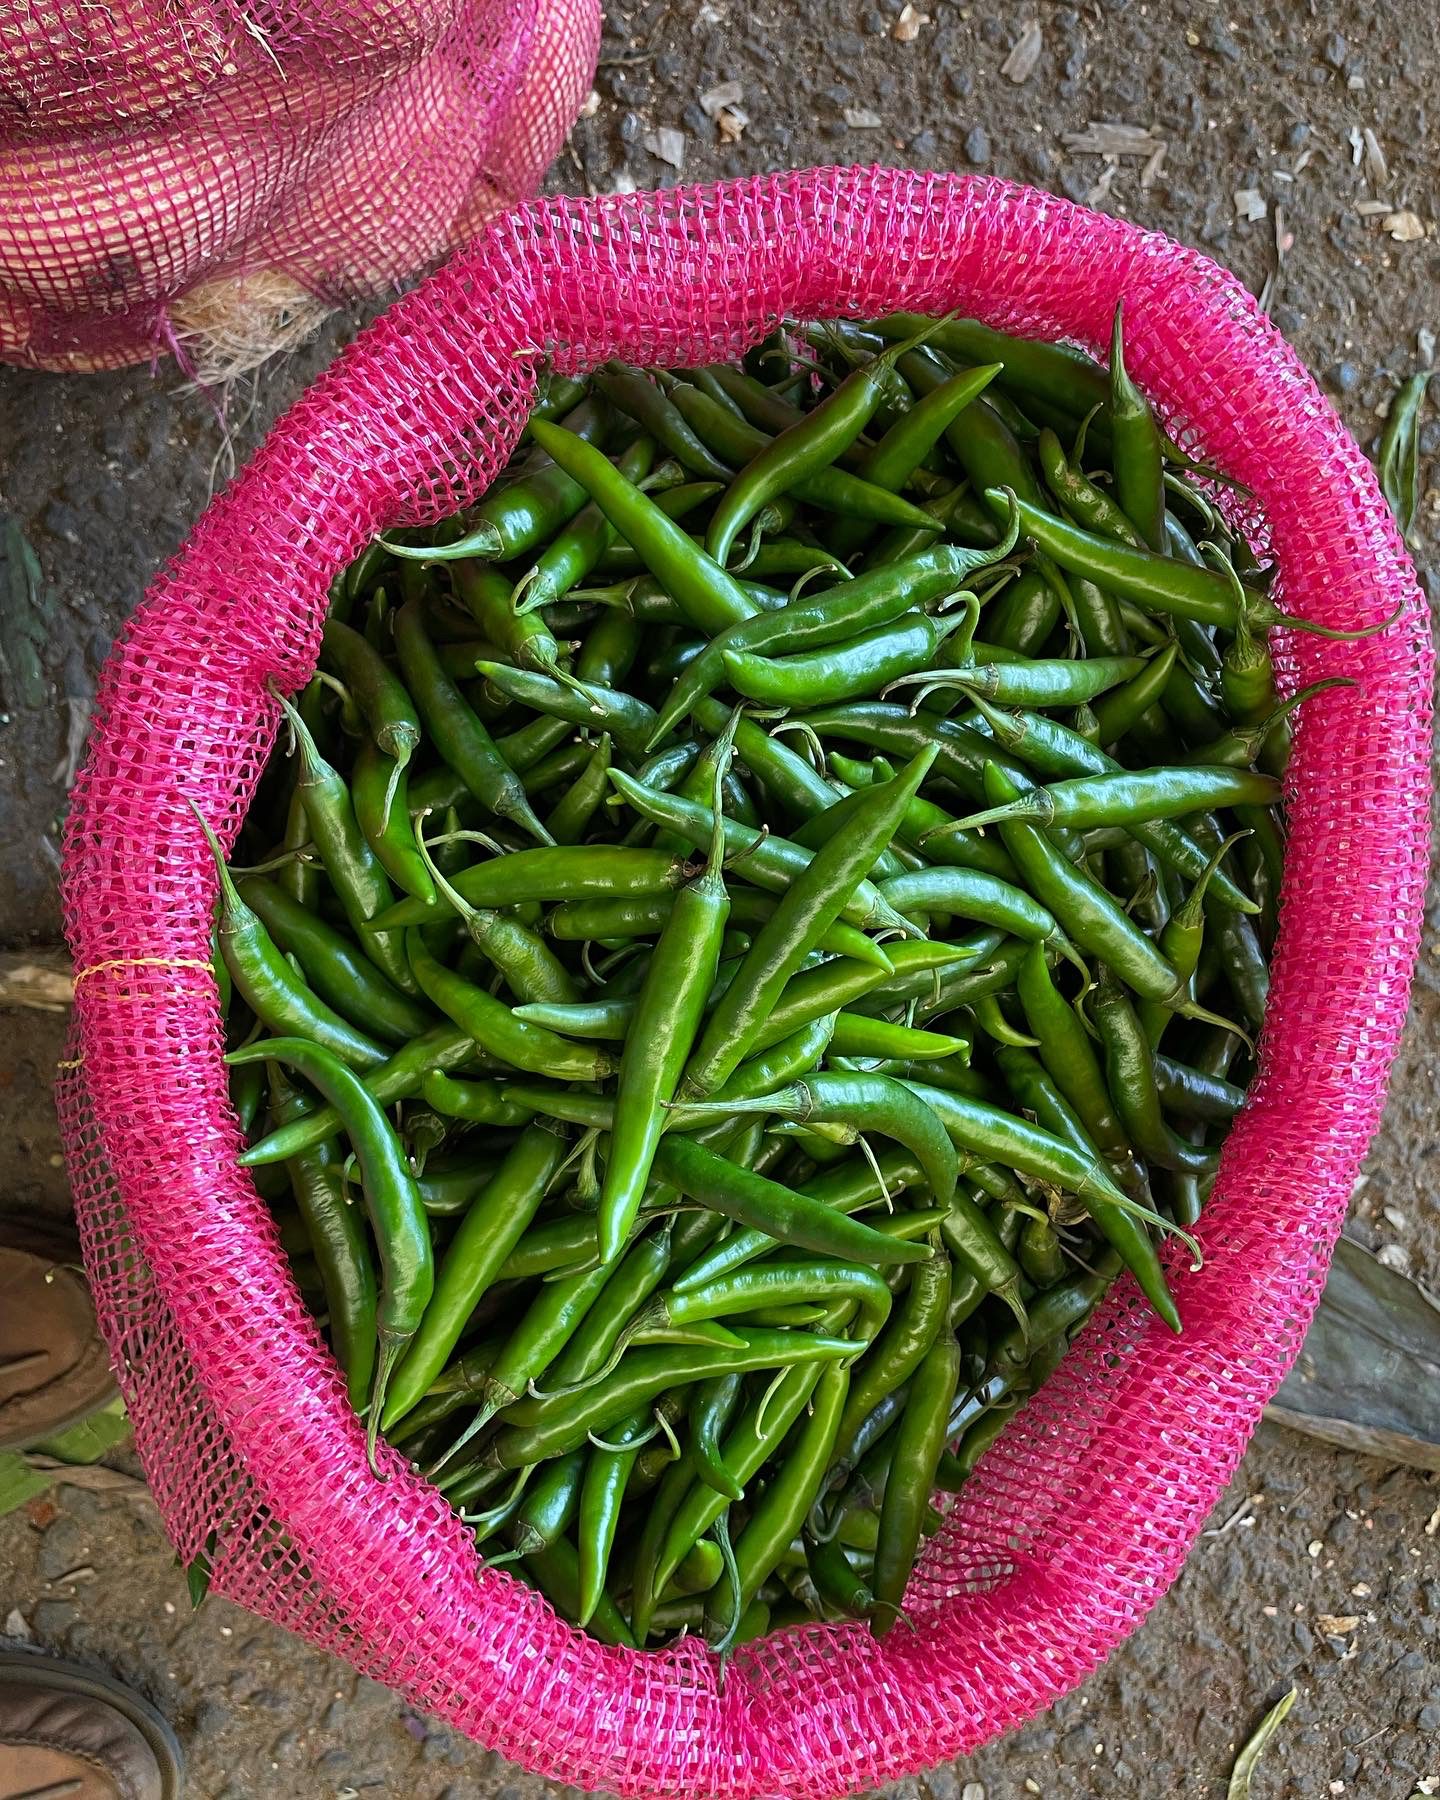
106 474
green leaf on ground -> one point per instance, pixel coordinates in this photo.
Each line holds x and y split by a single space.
92 1438
1250 1754
18 1481
1399 459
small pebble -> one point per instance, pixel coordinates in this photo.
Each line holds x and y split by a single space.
977 146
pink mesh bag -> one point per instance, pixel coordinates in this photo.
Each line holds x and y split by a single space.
212 177
1081 1514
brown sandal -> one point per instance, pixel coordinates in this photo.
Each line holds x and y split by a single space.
54 1367
72 1733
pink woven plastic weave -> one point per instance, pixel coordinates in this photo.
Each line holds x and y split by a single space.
148 148
1081 1515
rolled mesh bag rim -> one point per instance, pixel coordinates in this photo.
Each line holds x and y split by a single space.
1081 1514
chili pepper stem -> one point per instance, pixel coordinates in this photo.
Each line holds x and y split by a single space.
392 1346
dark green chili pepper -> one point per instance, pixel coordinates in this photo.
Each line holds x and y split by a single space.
549 1508
1136 447
766 1206
268 985
836 1581
576 921
667 1019
477 1102
896 1354
388 711
625 1291
527 512
634 393
768 861
378 789
710 1414
845 671
811 444
542 1428
456 731
871 1103
556 1571
335 969
340 1245
1130 1071
586 872
1081 499
488 1233
601 1498
1121 710
1066 378
1025 615
877 598
1084 910
492 1025
1128 795
442 1047
812 903
1158 583
919 1440
355 872
782 1507
547 1325
577 806
1069 1059
970 894
397 1217
830 489
1196 1094
1053 750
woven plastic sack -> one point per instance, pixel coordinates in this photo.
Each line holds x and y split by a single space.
1082 1513
212 177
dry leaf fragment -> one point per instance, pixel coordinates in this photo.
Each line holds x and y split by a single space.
1100 192
1404 226
906 28
1150 174
860 118
1373 209
731 123
1019 65
1330 1625
1376 171
714 101
1425 345
1110 137
668 144
1250 204
1357 145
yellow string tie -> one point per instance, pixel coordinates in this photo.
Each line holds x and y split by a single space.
143 962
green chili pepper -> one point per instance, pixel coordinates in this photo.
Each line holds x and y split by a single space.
456 731
813 902
667 1019
920 1439
340 1246
528 511
488 1233
269 986
397 1216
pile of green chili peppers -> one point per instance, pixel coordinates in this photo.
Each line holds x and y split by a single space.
752 927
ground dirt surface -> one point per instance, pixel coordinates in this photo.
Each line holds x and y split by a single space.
1262 110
